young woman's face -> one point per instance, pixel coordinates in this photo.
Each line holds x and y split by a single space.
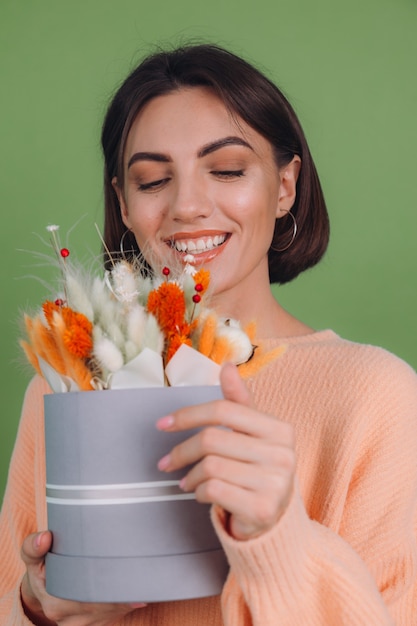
198 182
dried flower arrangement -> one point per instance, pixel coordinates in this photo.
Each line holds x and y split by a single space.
123 328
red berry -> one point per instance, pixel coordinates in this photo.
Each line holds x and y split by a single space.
59 302
199 287
196 298
166 271
65 252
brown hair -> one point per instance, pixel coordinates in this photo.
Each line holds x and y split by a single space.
247 93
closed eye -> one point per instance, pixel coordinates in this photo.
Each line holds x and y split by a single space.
154 185
228 174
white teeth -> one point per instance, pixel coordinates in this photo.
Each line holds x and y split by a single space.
199 245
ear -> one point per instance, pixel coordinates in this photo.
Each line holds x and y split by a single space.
123 206
287 188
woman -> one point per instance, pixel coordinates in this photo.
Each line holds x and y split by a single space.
314 485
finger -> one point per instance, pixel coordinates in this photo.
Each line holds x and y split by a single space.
234 416
251 510
228 444
233 386
241 474
35 547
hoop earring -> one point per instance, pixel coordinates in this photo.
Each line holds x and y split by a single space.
122 250
294 233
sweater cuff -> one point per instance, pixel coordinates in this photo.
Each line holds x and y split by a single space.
276 562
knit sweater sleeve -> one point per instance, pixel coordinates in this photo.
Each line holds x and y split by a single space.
359 567
21 512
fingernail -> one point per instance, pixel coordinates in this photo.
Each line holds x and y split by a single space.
37 541
182 483
165 422
164 462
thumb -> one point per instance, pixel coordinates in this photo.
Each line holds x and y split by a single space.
35 547
233 387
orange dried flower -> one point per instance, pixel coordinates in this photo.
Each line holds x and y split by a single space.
77 341
174 343
49 308
202 277
207 335
77 336
167 303
73 318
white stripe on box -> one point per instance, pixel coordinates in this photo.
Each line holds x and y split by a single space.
125 493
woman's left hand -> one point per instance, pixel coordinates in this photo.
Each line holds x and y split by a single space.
248 468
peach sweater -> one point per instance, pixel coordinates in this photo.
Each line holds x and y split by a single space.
345 551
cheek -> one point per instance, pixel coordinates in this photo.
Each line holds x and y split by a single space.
144 218
256 199
144 231
240 203
256 210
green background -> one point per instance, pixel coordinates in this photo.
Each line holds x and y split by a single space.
349 69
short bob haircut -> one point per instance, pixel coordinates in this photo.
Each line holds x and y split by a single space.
247 94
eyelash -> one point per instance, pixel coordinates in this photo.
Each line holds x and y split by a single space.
224 174
152 185
228 173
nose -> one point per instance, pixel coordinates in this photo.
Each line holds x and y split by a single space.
190 201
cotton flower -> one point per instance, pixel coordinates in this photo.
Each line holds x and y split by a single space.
240 346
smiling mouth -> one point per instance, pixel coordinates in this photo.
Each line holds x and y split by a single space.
198 245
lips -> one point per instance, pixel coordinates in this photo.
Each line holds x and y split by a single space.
197 245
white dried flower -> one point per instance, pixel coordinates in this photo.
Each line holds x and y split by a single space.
122 282
135 325
107 355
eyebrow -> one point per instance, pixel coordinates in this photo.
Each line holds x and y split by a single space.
221 143
148 156
205 150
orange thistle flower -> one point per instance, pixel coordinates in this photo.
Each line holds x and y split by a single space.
174 343
167 304
202 277
78 341
69 316
77 337
72 318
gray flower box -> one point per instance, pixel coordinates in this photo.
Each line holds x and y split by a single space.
122 530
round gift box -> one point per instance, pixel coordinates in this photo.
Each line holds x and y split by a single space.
122 530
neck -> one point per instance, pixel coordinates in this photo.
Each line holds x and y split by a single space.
259 305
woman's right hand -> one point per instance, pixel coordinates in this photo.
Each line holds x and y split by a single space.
45 610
